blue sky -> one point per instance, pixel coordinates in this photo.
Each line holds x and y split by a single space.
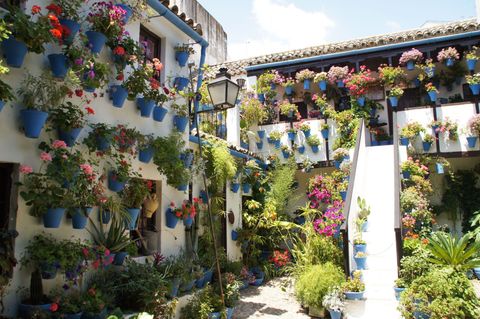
257 27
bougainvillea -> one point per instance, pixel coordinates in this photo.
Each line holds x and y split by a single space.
330 221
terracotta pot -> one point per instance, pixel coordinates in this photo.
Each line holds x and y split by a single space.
151 204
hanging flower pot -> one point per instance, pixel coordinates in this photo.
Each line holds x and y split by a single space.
246 187
133 213
393 101
307 133
120 258
471 64
343 194
119 95
188 221
59 65
306 84
291 136
475 88
360 248
89 89
361 100
406 174
301 149
290 114
128 12
261 134
114 184
404 141
171 219
322 85
48 270
159 113
33 122
103 144
286 154
73 28
96 41
80 217
182 57
398 291
53 217
182 188
180 122
449 62
277 144
439 169
187 159
234 235
360 262
336 164
350 295
145 155
433 96
289 90
335 314
261 97
145 106
222 131
181 83
259 145
410 65
340 84
314 148
324 133
471 140
426 146
234 187
203 196
69 137
244 145
14 52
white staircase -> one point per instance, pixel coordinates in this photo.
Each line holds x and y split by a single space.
376 184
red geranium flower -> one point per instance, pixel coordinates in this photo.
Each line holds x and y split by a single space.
36 9
119 50
120 77
89 110
54 8
53 307
56 33
79 92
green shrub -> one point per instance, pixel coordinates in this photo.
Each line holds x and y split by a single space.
411 267
441 293
316 281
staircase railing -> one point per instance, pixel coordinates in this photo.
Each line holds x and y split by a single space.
344 230
397 180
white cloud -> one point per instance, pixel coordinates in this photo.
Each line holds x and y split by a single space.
282 26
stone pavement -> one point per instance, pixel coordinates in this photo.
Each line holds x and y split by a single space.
272 300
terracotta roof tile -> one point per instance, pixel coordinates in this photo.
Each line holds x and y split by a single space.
195 26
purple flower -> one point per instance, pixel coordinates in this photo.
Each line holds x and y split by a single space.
91 74
79 61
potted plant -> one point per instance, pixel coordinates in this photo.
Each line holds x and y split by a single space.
334 302
253 112
38 96
274 137
393 95
324 130
411 167
126 52
134 9
106 24
305 76
358 84
42 253
94 304
448 56
69 305
474 83
288 109
133 195
291 132
427 142
474 129
151 97
363 213
289 84
336 75
449 129
400 286
119 174
145 148
432 91
69 17
321 79
182 52
339 155
6 93
360 259
410 58
100 138
390 75
359 244
410 132
354 288
94 75
69 120
313 141
180 119
472 58
286 152
36 301
305 128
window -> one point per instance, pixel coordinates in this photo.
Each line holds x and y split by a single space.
411 98
152 45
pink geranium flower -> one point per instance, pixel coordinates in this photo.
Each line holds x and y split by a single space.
59 144
25 169
87 169
44 156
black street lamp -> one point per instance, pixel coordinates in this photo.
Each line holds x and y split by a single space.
223 91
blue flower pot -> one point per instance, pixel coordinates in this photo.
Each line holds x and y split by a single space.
289 90
230 313
439 168
53 217
276 144
261 134
80 217
286 154
322 85
171 219
222 131
291 136
105 217
234 235
433 96
2 104
269 140
72 26
119 95
89 89
476 271
365 226
48 270
96 41
159 113
301 149
134 213
324 133
200 282
174 286
59 65
340 84
335 314
471 64
306 133
180 122
187 159
398 291
145 155
33 122
404 141
244 145
245 285
449 62
290 114
14 52
472 140
145 106
234 187
430 71
182 188
273 86
426 146
27 311
128 12
187 286
114 184
406 174
260 145
361 101
260 276
336 164
246 188
70 137
261 97
393 101
475 88
181 83
360 248
306 84
343 194
410 65
354 295
314 148
204 196
215 315
102 144
182 57
208 275
416 82
120 258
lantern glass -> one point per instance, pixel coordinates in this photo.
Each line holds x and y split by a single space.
223 91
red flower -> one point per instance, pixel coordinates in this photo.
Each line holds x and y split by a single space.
79 92
56 33
54 8
54 20
119 50
95 95
70 93
167 91
95 265
89 110
53 307
36 9
120 77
